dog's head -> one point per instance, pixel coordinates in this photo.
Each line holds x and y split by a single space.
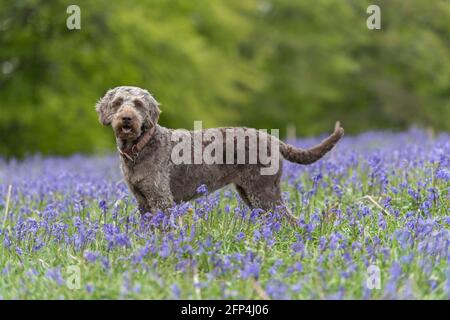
129 110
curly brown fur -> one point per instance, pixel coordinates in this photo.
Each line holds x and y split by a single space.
157 182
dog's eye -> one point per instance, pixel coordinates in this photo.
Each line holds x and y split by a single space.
117 103
139 104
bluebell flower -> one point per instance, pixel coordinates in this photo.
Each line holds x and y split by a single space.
176 292
240 236
250 269
90 256
55 275
202 189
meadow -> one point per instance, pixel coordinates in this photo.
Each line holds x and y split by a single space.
377 205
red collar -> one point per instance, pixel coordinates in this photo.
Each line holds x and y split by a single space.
133 152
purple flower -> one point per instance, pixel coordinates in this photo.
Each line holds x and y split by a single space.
176 292
202 189
102 205
297 247
122 240
19 251
396 271
55 275
267 233
240 236
89 288
90 256
164 250
105 263
256 235
6 240
277 290
250 269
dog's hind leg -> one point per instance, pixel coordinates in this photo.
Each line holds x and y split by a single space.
267 199
243 195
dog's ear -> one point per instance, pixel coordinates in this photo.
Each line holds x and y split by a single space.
103 108
155 112
153 109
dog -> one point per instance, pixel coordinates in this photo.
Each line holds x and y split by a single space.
158 181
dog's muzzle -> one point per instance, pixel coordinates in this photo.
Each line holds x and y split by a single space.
127 125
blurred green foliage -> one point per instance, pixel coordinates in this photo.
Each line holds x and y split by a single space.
258 63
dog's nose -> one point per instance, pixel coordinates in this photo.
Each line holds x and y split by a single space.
126 119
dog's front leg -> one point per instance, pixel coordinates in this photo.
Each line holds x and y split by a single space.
143 204
153 198
156 204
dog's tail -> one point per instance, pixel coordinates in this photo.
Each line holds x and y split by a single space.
307 156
